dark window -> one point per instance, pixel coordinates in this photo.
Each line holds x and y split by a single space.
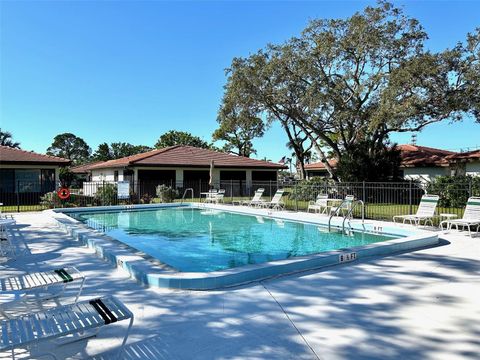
159 176
148 180
7 180
232 175
48 180
27 180
128 175
115 175
264 175
195 175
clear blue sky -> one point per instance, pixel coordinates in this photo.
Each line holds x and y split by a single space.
129 71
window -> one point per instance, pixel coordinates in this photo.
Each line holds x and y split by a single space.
28 180
7 180
115 175
48 180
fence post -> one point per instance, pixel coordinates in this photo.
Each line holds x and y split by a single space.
410 210
231 190
296 196
363 191
470 194
18 196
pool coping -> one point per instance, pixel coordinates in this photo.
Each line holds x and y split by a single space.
155 274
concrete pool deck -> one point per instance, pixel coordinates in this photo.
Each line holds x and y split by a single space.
416 305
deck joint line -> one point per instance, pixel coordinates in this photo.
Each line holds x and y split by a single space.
291 322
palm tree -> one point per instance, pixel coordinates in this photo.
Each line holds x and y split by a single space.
6 140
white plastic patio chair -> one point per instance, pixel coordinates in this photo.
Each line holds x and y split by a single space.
218 196
257 198
276 203
425 211
36 287
471 216
320 205
210 196
344 207
67 322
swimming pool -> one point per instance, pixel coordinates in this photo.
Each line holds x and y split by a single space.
208 246
202 240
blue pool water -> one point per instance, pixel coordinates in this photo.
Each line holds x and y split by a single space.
201 240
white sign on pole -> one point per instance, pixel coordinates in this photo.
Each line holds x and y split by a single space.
123 189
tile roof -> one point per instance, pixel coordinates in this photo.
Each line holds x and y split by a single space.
320 165
187 156
469 155
18 156
412 155
80 169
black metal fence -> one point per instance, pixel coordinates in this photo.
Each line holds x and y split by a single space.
383 200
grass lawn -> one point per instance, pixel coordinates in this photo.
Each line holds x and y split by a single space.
372 211
22 208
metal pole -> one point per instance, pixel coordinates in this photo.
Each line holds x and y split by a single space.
296 196
410 196
18 196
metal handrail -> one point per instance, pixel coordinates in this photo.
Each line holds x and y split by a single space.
185 193
350 212
335 213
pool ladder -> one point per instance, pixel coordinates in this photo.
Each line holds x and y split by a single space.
185 193
348 216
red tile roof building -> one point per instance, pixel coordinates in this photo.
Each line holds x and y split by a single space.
422 162
186 156
10 155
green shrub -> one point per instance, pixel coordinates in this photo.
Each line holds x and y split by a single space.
309 189
454 190
106 195
50 200
166 194
146 198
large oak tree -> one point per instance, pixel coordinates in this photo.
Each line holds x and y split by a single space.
352 82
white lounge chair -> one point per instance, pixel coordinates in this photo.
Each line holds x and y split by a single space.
344 207
7 248
276 203
425 211
320 205
471 216
37 287
68 323
257 198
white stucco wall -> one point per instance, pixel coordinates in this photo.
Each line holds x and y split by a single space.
107 174
424 174
473 168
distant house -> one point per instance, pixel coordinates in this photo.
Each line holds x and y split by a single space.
83 171
421 163
183 166
27 173
465 163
